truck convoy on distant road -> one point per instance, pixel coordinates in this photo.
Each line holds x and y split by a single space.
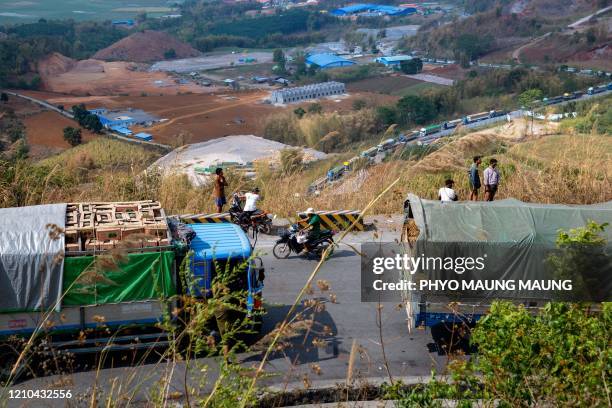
430 133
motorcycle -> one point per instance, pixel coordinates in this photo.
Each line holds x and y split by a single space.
259 221
294 240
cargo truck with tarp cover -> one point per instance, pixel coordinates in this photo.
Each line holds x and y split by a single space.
515 241
104 275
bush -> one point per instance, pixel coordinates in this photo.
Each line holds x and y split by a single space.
72 136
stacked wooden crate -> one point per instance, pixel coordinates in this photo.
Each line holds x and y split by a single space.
101 226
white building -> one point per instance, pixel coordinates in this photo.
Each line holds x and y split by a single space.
313 91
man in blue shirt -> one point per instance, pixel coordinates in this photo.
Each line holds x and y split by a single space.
474 179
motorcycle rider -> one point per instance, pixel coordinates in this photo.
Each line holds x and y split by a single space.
250 203
313 228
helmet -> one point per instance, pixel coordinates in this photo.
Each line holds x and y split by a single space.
309 211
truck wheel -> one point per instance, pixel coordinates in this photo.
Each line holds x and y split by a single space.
281 250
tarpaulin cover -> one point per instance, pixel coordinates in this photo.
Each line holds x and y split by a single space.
31 257
516 238
90 280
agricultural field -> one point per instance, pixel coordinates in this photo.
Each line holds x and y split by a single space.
16 11
397 85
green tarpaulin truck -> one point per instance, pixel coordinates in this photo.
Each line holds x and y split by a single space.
122 273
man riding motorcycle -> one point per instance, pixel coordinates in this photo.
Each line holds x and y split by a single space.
313 228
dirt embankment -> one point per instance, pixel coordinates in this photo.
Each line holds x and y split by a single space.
146 46
94 77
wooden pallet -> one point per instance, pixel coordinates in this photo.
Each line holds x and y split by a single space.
103 225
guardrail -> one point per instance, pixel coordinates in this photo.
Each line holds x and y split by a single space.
335 220
206 218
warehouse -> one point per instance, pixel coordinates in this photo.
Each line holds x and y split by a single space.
325 61
393 61
313 91
373 10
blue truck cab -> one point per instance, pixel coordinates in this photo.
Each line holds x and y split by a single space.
220 248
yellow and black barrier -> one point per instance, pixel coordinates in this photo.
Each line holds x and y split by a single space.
206 218
335 220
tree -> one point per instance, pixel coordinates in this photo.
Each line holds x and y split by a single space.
92 122
411 67
528 99
530 96
413 108
72 136
280 60
170 54
386 115
300 63
4 97
299 112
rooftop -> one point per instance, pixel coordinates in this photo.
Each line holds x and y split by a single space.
327 59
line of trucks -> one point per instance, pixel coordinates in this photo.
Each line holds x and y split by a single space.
418 135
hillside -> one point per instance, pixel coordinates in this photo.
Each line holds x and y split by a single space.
146 46
499 25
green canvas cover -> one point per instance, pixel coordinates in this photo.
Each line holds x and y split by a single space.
99 280
516 238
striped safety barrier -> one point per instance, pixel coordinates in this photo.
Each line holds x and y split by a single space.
335 220
206 218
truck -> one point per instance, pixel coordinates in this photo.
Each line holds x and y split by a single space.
451 124
428 130
405 138
113 271
371 152
599 89
507 230
335 173
385 145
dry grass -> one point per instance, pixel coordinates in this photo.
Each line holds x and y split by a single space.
536 167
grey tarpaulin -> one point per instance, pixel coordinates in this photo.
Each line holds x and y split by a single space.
516 237
30 270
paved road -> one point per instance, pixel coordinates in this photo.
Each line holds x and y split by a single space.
346 320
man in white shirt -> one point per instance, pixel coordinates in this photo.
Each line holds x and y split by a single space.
250 204
447 194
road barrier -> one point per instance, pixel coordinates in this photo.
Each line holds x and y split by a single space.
335 220
206 218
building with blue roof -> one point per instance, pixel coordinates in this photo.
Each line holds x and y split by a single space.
373 10
393 61
121 130
144 136
325 61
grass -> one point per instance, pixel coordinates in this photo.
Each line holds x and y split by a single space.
102 152
416 89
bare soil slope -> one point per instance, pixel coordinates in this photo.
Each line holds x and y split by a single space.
146 46
95 77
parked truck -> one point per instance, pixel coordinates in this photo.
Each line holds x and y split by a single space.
105 275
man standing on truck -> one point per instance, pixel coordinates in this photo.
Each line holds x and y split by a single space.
474 178
220 185
491 180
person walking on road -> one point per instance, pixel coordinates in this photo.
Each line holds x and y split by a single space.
491 180
475 178
220 185
447 194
